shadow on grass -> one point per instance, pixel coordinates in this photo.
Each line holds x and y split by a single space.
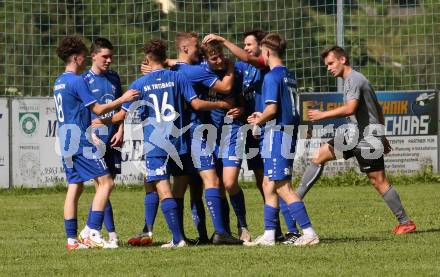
352 239
432 230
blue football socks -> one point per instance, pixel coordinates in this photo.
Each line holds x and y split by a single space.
108 217
199 217
290 222
96 219
71 227
271 218
238 204
225 211
180 207
298 211
169 209
214 203
151 204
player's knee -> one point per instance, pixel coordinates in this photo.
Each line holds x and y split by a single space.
322 155
212 182
230 184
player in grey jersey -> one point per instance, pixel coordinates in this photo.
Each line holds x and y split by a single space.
364 138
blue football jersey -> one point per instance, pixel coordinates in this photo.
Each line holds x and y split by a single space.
105 88
279 86
164 94
72 98
252 87
201 80
217 116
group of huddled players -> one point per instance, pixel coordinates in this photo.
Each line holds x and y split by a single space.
178 101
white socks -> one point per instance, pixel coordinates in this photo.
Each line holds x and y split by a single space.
309 232
269 235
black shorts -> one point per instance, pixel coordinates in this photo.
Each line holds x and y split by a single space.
365 164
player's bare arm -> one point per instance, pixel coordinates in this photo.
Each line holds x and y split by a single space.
269 113
117 118
146 68
118 137
224 86
349 108
235 50
128 96
202 105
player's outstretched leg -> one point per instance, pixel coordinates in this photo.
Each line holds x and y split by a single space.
324 154
392 199
311 175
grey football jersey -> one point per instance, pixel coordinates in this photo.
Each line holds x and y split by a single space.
356 86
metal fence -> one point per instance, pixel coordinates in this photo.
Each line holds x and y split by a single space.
394 43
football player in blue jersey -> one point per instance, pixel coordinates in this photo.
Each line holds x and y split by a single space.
279 142
203 160
202 147
105 86
228 154
188 48
253 70
81 160
164 94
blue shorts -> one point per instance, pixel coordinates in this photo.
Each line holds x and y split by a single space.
255 162
279 166
80 169
157 169
162 168
187 166
113 159
202 154
227 154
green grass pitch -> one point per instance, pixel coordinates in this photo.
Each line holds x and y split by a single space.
353 223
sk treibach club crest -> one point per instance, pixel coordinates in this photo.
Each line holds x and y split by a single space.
29 123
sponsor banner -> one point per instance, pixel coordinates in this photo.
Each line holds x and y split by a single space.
411 126
133 162
34 134
36 163
4 145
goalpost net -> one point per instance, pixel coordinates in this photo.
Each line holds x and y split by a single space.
394 43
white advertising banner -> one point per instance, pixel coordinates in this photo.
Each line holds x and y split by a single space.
35 161
4 145
133 162
409 155
411 126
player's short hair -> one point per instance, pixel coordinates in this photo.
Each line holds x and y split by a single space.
275 42
70 45
338 52
182 36
100 43
258 34
157 48
213 47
